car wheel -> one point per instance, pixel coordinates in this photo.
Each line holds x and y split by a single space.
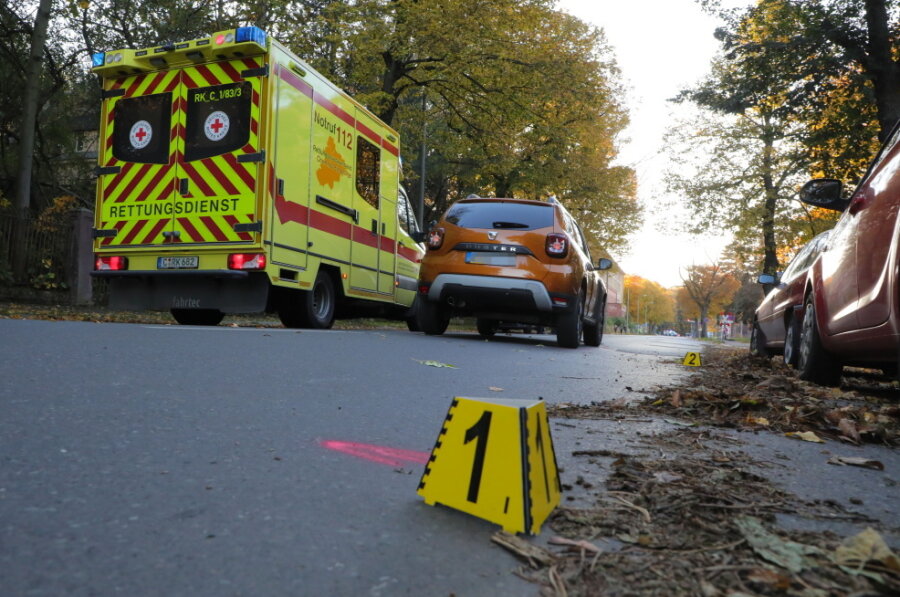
593 332
792 341
486 327
433 317
315 307
758 342
412 319
813 362
198 316
568 325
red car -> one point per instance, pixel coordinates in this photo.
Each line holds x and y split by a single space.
776 325
851 308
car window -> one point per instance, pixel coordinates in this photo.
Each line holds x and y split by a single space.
804 259
490 214
406 214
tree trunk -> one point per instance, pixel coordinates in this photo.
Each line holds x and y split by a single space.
881 67
26 136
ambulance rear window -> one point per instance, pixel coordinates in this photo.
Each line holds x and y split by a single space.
141 129
218 120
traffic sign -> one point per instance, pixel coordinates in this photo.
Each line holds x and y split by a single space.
494 459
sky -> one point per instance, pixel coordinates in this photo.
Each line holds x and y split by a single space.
661 47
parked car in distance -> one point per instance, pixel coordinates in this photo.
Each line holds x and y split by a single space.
512 260
776 325
851 308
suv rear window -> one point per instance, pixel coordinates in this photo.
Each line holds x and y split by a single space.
489 214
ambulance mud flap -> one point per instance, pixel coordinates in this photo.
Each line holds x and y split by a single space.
225 290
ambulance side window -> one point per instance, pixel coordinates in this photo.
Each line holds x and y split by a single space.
407 215
368 169
218 120
141 129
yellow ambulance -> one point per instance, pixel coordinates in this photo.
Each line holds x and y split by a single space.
234 178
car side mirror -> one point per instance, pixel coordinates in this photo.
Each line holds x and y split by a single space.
604 263
418 237
767 280
824 193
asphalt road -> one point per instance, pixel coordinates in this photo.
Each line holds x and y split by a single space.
170 460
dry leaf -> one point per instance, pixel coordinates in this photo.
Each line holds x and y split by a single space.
807 436
853 461
859 551
435 364
757 420
495 389
849 430
675 400
580 544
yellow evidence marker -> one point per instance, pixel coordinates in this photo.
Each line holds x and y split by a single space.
494 459
691 359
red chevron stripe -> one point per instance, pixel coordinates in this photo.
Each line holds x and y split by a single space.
118 226
150 186
136 180
241 171
159 78
198 180
108 190
212 227
133 87
189 228
251 63
230 71
217 173
154 232
173 83
231 222
138 226
207 74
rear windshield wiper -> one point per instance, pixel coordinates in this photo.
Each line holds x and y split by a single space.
509 225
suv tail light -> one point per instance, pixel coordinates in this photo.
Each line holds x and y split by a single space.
110 264
435 238
247 261
557 245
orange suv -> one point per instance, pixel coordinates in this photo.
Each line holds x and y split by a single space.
512 260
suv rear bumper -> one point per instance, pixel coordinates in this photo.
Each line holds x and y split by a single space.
491 293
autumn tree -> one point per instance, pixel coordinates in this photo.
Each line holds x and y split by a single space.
709 288
648 303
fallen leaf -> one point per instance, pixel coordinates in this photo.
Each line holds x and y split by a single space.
765 576
856 553
535 555
580 544
757 421
436 364
495 389
849 430
675 400
790 555
807 436
854 461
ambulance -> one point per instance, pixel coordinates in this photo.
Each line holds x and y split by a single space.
234 178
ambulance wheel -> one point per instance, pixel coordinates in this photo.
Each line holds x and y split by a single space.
433 317
198 316
317 305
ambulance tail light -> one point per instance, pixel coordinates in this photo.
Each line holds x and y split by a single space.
435 238
247 261
111 263
557 245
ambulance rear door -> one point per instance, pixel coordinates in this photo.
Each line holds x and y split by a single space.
222 161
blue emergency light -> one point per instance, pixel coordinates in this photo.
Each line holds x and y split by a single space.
254 34
98 58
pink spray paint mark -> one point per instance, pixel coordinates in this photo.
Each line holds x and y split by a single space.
380 454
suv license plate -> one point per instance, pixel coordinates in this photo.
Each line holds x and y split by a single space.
486 258
177 262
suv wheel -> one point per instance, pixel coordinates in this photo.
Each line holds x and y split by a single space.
433 317
486 327
593 332
813 363
568 325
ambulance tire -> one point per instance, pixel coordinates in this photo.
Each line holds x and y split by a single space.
317 305
198 316
433 317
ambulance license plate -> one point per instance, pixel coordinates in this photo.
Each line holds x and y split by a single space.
177 262
486 258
